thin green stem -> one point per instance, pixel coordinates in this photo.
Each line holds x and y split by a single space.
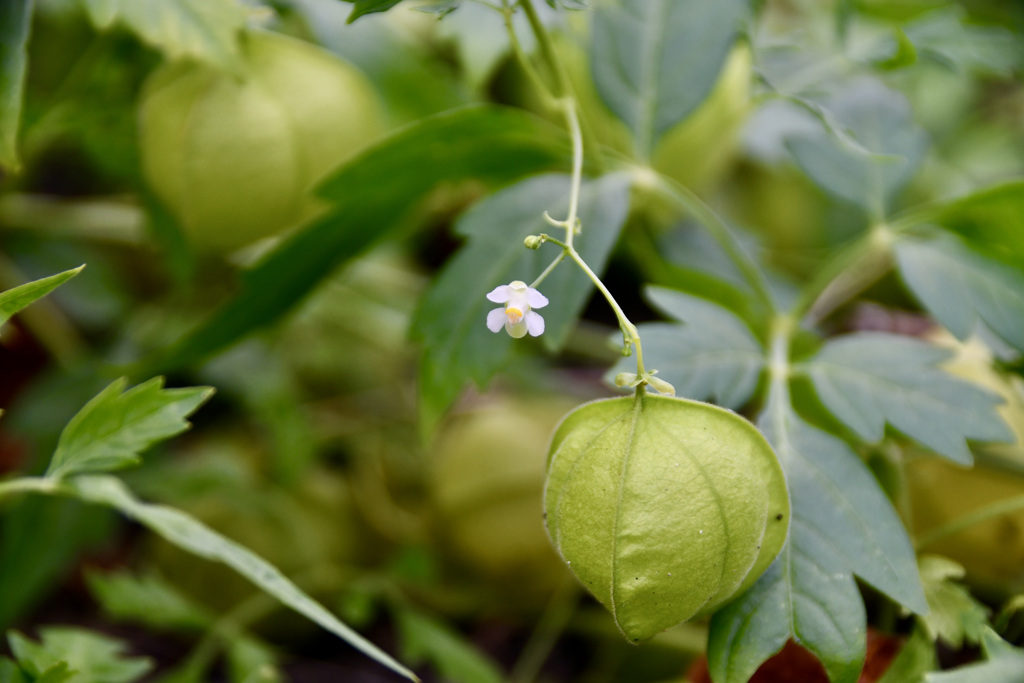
707 217
980 515
548 630
547 50
851 270
572 120
548 98
29 485
547 271
629 332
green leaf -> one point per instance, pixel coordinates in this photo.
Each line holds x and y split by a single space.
91 656
149 600
11 672
207 30
869 379
992 218
193 536
250 661
361 7
662 506
915 659
655 61
955 616
451 319
1005 664
960 287
712 355
944 36
15 21
112 429
425 639
842 525
373 195
890 145
13 300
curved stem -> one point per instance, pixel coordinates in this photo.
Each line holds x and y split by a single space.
548 98
29 485
980 515
707 217
857 264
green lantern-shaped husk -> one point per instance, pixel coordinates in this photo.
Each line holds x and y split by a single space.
663 507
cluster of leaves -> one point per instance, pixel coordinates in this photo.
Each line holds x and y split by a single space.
738 329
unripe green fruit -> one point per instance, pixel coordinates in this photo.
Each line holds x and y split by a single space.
486 483
663 507
234 156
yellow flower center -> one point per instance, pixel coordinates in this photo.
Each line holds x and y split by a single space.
513 314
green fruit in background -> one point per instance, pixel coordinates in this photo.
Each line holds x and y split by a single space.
234 156
486 482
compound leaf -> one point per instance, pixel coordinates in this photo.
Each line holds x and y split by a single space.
1005 663
960 287
889 144
655 61
112 429
711 355
869 379
88 656
842 525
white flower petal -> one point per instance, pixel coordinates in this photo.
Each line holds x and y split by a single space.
500 294
535 323
535 298
496 319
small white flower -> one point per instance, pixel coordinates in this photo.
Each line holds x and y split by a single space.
517 315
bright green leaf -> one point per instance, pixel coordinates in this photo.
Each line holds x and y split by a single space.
250 661
1005 664
955 617
201 29
992 218
149 600
373 197
11 672
91 656
451 319
842 525
191 535
869 379
960 287
655 61
112 429
15 20
361 7
712 355
662 506
915 659
425 639
890 148
13 300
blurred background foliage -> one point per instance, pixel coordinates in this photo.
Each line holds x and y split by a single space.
170 178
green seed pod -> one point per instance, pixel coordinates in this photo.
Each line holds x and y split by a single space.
234 156
663 507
